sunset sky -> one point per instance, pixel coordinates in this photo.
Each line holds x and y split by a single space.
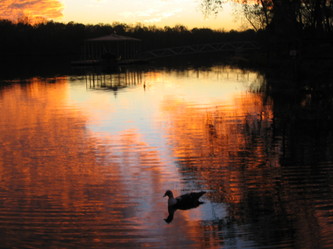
148 12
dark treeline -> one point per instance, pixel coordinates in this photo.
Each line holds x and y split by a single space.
54 38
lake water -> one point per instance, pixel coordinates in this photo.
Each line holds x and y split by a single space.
85 161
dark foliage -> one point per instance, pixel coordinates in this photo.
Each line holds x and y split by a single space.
66 40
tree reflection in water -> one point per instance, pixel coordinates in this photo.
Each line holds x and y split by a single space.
79 165
268 156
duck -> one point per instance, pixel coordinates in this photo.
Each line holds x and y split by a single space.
185 201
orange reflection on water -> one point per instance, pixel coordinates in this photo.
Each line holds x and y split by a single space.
62 183
50 173
211 140
45 142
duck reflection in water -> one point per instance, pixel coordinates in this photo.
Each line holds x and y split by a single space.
183 202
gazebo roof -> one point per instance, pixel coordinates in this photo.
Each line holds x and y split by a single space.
112 37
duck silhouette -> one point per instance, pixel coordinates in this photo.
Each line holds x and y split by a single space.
182 202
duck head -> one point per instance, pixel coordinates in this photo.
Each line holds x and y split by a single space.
168 193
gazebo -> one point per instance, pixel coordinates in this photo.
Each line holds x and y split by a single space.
112 46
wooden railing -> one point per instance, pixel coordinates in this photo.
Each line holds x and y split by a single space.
237 46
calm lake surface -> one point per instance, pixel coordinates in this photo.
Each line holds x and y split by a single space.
85 161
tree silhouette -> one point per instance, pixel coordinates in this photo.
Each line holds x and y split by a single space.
283 17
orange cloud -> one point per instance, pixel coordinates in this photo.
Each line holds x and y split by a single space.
32 9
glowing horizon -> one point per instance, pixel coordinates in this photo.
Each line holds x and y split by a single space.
160 13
